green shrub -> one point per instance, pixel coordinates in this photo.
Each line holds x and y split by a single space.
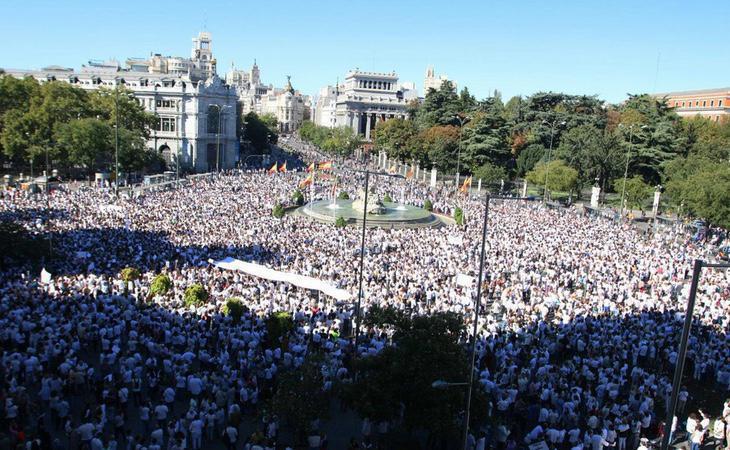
195 295
161 285
344 196
387 199
278 211
130 274
278 325
234 308
340 222
459 216
427 205
298 198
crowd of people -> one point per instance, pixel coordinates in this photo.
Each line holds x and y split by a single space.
576 343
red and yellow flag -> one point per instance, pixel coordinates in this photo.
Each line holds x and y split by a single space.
392 169
274 168
326 165
307 181
310 168
409 174
282 169
466 186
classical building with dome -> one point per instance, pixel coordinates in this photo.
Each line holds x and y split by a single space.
196 109
288 105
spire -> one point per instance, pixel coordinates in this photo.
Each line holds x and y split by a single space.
289 87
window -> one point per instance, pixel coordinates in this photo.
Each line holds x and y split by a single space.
704 103
712 102
213 114
719 103
682 103
166 124
697 103
165 104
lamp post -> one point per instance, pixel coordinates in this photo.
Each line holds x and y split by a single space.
462 121
116 136
550 151
218 136
679 365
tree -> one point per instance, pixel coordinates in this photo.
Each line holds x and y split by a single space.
387 199
528 157
467 102
426 349
343 195
394 136
593 153
340 222
278 211
701 186
636 191
490 174
428 205
439 107
160 285
341 141
298 198
278 326
86 143
441 145
234 309
459 216
484 140
559 176
195 296
258 132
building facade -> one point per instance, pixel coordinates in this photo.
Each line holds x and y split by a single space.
364 99
431 81
288 105
713 104
197 117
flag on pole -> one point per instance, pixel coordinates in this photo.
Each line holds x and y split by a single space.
393 169
282 169
307 181
310 168
274 168
326 165
409 174
466 186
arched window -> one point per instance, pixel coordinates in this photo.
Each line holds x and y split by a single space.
213 116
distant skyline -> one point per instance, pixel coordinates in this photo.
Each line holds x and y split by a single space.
607 49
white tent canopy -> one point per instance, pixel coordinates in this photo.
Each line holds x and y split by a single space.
264 272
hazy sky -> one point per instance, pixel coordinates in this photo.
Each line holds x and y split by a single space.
608 48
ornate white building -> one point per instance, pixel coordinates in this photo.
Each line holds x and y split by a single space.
434 82
287 105
364 99
187 106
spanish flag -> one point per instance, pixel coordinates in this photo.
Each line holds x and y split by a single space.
392 169
274 168
466 186
307 181
310 168
327 165
409 174
282 169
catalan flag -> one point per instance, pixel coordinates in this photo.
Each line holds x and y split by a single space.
274 168
326 165
310 168
466 186
307 181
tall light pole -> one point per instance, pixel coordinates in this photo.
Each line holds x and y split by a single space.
462 121
116 136
550 152
679 365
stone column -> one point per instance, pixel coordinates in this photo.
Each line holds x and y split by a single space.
524 188
356 123
418 172
367 126
433 177
479 186
655 205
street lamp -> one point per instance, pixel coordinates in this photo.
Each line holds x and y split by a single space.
462 121
550 151
679 365
628 158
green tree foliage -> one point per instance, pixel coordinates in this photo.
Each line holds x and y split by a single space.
459 216
702 186
195 296
394 136
130 274
161 285
440 146
490 174
559 176
636 191
278 211
298 397
529 157
86 143
593 153
426 349
428 205
340 141
340 222
278 326
233 308
439 107
387 198
484 139
344 195
259 131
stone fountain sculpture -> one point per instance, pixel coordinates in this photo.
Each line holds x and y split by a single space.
375 205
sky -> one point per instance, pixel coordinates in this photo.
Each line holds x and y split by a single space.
607 48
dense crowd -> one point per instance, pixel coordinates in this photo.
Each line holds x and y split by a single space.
575 346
